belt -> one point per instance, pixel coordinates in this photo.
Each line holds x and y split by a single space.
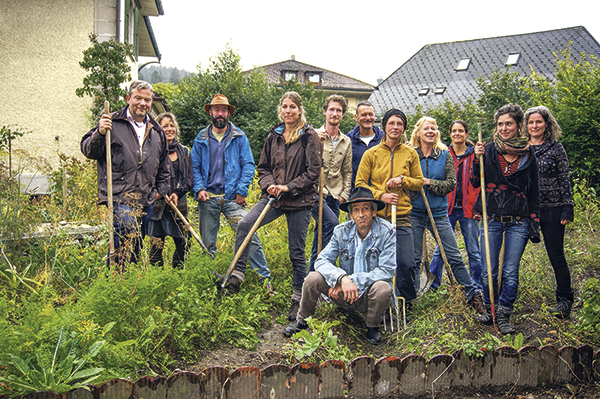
506 219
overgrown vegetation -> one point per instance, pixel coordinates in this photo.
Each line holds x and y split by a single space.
67 320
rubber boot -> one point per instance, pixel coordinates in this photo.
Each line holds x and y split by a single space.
503 320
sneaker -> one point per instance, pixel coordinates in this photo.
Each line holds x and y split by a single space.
503 321
293 310
477 303
294 328
485 318
562 309
373 335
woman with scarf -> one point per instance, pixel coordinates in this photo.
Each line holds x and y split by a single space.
512 195
164 221
556 199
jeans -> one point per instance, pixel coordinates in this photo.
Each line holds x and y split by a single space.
209 213
297 222
420 222
554 241
470 232
331 217
182 247
405 263
373 303
515 239
130 230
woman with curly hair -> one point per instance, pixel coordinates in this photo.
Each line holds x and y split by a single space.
512 197
556 199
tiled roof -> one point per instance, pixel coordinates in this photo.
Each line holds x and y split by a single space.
328 81
434 66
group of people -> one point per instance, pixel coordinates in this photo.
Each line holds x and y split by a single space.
391 187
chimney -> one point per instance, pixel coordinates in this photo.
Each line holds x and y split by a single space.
293 57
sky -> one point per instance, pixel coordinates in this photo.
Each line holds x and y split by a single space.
363 39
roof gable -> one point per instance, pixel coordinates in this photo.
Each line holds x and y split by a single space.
434 66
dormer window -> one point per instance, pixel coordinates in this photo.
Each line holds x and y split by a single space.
313 77
290 75
439 90
513 59
424 91
463 64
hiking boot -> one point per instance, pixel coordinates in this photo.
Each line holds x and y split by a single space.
294 328
477 303
485 318
503 321
232 286
373 335
293 310
562 309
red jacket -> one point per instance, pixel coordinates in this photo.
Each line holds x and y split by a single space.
470 193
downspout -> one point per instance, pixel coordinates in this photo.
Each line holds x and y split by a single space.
118 21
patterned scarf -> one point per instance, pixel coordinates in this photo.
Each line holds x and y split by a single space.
514 146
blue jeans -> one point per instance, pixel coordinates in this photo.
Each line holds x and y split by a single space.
405 264
515 239
130 230
331 217
470 232
209 214
420 222
297 222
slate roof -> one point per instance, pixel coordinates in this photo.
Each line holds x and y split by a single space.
434 66
330 81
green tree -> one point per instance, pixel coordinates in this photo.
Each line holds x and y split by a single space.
169 91
156 76
502 88
107 64
574 99
175 76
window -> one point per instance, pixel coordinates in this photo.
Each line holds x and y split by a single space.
424 91
463 64
314 77
513 59
290 75
439 90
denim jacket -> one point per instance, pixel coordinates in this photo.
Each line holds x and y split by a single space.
380 255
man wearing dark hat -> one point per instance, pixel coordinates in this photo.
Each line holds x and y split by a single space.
223 171
366 249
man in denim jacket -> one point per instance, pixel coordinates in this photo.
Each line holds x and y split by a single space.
366 248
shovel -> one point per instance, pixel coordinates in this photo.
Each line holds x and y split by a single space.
109 192
248 238
426 277
187 226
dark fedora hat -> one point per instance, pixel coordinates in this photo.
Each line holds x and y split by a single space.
361 194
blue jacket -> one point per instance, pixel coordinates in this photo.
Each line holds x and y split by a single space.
359 147
239 163
380 255
439 168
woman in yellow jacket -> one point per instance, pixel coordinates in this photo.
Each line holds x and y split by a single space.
392 169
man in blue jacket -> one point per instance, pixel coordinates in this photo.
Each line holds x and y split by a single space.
223 171
365 135
366 248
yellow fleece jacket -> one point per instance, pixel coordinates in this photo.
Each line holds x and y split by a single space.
378 165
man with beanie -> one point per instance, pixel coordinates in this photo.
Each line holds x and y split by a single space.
365 247
223 171
392 170
364 136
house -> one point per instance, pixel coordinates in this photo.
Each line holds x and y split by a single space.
334 83
449 71
41 47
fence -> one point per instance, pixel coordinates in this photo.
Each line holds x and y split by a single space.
363 377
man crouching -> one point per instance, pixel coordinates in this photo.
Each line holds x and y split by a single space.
366 248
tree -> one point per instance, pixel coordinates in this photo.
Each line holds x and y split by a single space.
175 76
108 70
156 76
446 113
574 99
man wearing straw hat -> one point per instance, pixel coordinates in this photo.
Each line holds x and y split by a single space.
366 249
223 171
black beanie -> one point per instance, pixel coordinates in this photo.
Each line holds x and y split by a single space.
391 112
